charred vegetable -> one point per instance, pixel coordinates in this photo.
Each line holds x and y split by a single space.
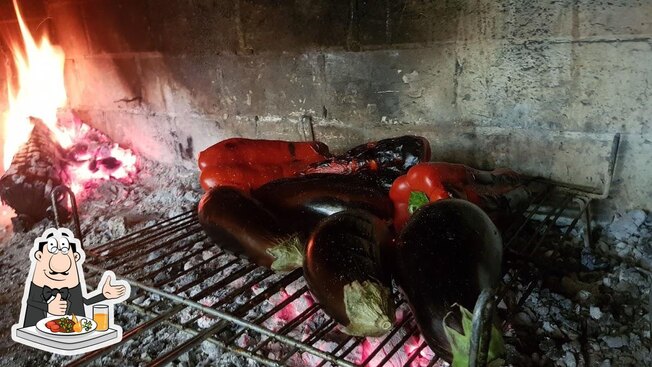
346 272
500 192
301 202
258 151
250 163
397 154
241 225
245 176
446 254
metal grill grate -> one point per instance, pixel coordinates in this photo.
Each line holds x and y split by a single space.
180 278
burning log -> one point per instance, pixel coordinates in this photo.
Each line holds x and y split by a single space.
34 171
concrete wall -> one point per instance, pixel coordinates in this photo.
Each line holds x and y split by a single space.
541 86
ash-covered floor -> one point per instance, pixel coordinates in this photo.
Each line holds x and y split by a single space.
599 315
602 314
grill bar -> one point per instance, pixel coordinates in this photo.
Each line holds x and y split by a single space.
415 354
269 314
412 330
142 233
337 349
387 339
245 299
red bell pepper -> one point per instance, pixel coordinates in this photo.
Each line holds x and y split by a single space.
250 163
247 177
259 151
428 182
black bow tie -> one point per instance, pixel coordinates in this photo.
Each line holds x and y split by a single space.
50 292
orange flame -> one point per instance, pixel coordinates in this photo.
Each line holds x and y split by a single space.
41 90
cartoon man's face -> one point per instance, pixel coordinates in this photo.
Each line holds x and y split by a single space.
57 259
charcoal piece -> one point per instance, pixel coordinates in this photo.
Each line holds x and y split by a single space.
34 171
111 163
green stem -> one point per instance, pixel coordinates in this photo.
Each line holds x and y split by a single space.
461 342
369 308
417 200
287 254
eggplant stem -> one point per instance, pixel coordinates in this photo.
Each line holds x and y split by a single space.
287 254
460 342
369 308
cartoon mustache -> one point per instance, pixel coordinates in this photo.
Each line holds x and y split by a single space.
58 272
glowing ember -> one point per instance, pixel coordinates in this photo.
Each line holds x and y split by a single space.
424 354
397 351
366 348
89 155
93 157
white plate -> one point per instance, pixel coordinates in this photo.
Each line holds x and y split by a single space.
40 326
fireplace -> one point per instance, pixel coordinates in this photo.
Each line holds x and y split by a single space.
553 90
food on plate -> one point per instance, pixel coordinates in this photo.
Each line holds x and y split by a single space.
69 325
447 253
259 151
397 154
346 269
301 202
239 224
500 193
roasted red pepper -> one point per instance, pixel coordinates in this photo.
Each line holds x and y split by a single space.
247 177
259 152
250 163
428 182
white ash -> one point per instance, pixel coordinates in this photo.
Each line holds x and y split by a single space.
601 315
107 211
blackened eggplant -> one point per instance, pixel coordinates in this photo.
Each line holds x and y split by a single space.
301 202
383 178
397 154
346 270
446 254
241 225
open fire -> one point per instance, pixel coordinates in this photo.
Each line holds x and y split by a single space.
179 76
79 156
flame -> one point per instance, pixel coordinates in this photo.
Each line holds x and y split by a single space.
41 93
41 90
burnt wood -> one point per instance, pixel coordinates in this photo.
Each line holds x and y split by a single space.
34 171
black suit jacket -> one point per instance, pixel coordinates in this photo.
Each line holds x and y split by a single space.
37 307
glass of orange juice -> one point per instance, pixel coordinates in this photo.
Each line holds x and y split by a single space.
101 317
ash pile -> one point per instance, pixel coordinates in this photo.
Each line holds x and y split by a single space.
597 310
111 210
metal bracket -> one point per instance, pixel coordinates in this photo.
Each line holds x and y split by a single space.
307 127
65 191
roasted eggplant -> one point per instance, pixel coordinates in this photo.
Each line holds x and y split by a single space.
241 225
397 154
301 202
448 252
346 269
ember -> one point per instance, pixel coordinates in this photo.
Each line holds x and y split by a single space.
94 157
63 152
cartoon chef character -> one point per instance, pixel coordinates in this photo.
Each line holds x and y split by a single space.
57 284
